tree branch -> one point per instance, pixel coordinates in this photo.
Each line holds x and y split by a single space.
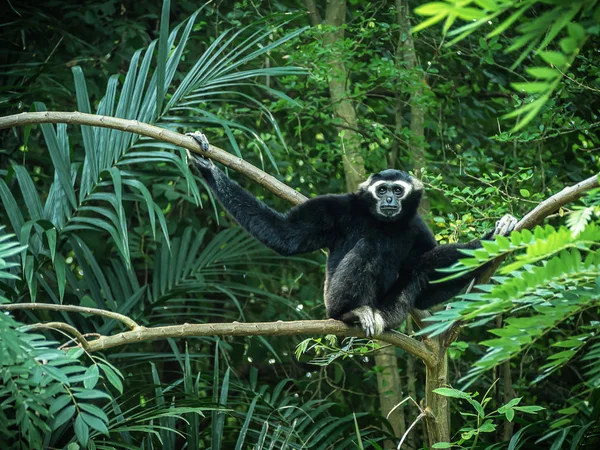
160 134
62 327
530 220
279 328
130 323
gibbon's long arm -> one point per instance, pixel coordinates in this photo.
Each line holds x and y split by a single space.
305 228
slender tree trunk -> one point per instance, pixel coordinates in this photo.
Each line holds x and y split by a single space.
405 52
335 15
411 370
389 385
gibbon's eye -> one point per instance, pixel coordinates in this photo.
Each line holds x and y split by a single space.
381 190
398 190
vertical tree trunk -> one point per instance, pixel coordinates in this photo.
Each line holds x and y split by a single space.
335 15
389 385
411 371
405 52
437 420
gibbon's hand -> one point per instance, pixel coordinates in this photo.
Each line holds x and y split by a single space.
202 163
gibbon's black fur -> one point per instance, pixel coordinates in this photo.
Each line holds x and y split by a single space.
382 256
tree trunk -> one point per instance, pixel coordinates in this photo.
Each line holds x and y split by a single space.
437 420
389 386
405 52
411 369
354 165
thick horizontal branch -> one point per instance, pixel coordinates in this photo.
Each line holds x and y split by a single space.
300 327
160 134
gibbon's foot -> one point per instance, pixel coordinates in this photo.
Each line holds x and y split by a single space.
200 161
370 320
505 225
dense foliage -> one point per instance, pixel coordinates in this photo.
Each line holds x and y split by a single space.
106 219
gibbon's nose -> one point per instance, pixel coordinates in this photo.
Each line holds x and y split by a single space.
389 199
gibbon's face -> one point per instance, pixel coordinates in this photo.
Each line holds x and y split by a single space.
388 190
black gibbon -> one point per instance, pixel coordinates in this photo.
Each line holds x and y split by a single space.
382 255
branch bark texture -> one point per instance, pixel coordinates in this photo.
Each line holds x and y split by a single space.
280 328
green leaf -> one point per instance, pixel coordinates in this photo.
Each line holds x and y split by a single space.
92 394
487 427
508 22
510 414
163 47
545 73
442 445
529 409
524 193
557 59
59 403
448 392
112 377
427 23
59 153
576 31
63 417
55 373
91 377
30 195
82 432
513 402
568 45
95 423
94 410
432 9
532 87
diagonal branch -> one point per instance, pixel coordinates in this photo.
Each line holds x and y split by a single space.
530 220
61 326
160 134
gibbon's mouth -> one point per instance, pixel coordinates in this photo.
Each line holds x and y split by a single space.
389 210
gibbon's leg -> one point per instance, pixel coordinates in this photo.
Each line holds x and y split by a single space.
351 290
418 292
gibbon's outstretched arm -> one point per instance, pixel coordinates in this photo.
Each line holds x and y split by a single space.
305 228
418 292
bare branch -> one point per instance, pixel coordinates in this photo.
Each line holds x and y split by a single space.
62 327
130 323
280 328
160 134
